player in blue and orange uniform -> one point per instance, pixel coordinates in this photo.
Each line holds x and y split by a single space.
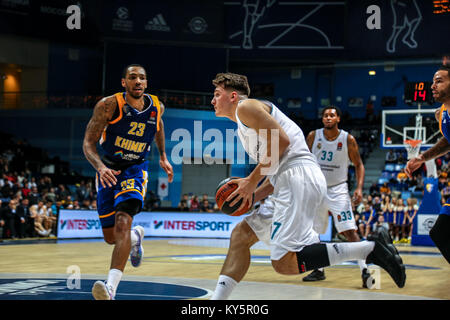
124 124
440 233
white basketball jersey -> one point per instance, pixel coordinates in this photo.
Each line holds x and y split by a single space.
256 146
332 157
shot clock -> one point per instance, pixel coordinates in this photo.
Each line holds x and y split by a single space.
418 93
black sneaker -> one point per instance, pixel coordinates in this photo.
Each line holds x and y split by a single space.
386 256
316 275
365 275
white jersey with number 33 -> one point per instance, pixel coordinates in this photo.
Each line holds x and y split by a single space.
332 157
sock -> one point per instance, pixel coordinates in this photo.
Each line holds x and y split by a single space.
225 285
114 277
362 265
340 252
133 237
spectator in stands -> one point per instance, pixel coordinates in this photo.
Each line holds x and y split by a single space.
52 217
376 204
183 205
387 209
384 189
411 212
8 217
391 157
195 205
374 190
445 193
442 181
380 224
359 223
39 214
25 189
34 196
402 180
399 220
23 219
50 195
368 219
62 192
67 202
206 206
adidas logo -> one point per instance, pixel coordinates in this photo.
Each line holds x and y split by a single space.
157 24
222 283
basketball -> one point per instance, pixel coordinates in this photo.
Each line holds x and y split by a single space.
224 189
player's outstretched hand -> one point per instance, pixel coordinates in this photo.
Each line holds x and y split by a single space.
413 164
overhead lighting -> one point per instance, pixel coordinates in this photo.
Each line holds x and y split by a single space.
372 73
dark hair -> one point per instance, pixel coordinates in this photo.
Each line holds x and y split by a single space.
445 67
125 70
338 111
234 81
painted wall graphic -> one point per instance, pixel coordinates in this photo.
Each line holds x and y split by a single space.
406 19
272 24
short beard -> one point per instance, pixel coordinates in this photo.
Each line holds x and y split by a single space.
136 97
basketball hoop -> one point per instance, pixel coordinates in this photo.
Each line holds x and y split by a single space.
412 147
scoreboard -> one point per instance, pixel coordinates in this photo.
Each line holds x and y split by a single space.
418 93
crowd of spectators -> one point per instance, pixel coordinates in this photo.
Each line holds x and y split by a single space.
30 201
193 204
393 203
396 215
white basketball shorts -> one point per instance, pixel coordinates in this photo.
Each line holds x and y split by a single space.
299 194
340 206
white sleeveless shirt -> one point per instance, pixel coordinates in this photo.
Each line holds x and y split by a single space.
256 145
332 157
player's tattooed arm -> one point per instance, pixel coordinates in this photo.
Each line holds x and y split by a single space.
439 149
103 112
160 141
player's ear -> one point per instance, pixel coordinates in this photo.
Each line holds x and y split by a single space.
123 82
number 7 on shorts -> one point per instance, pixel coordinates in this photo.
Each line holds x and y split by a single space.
277 226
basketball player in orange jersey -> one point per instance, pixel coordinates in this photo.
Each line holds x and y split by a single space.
440 233
125 125
299 189
333 149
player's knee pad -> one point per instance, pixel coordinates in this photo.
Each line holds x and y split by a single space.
313 257
130 206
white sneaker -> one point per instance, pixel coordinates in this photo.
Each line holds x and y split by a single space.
101 291
137 251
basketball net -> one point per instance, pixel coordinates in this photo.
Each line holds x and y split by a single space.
413 148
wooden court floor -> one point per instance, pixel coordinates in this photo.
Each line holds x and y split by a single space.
428 274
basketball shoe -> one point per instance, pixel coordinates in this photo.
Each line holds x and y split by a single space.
137 251
101 291
386 256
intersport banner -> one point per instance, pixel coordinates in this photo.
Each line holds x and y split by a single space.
86 224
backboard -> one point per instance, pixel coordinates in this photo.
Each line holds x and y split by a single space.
409 124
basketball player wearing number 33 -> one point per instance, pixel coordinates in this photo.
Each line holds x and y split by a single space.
299 190
440 233
333 149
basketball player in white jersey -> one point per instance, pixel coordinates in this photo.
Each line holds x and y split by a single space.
299 189
334 148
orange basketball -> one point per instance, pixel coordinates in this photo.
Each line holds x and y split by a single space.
224 189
